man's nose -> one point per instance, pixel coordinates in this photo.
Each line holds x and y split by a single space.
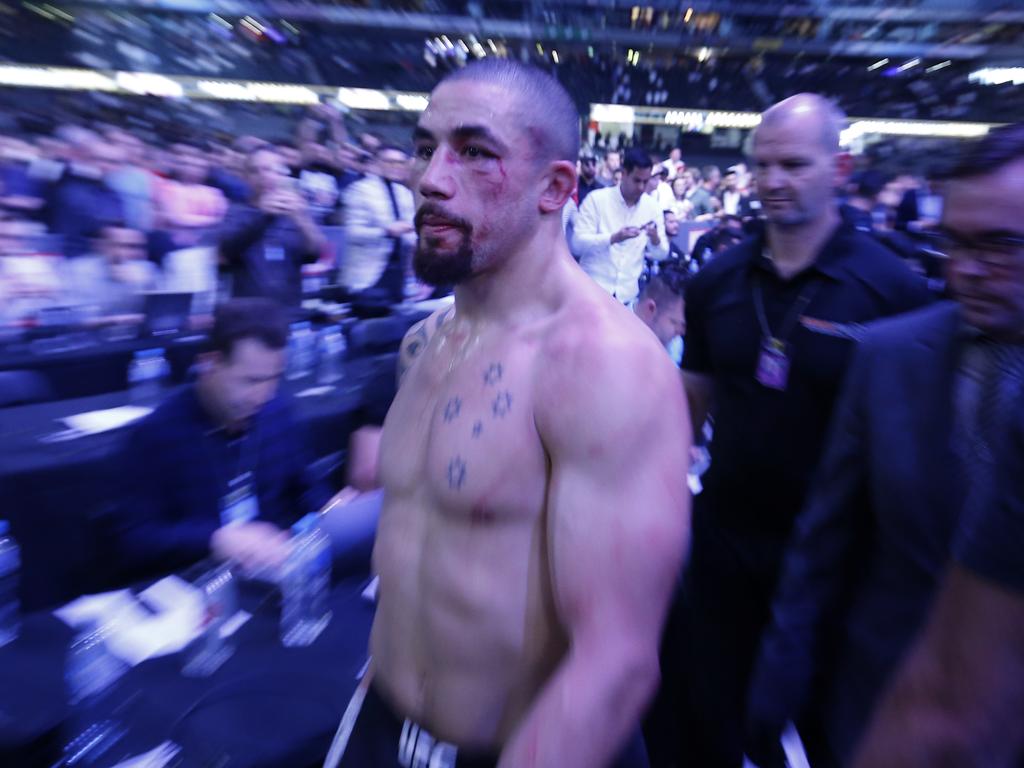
436 180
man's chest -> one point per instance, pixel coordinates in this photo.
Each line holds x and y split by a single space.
813 324
463 436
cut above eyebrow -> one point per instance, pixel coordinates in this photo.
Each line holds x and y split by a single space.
467 132
463 133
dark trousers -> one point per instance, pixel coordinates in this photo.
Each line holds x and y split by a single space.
710 644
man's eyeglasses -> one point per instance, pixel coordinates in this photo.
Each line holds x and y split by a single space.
993 252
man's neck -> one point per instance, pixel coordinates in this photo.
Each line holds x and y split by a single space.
793 249
208 402
525 285
629 203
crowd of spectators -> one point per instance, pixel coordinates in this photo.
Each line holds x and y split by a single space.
94 216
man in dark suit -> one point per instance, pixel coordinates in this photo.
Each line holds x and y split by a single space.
908 465
220 467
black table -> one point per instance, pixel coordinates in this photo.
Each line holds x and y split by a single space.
57 495
101 367
266 706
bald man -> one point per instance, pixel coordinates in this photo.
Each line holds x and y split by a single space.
770 325
535 508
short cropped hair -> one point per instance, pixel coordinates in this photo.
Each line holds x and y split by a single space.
248 318
665 287
634 158
998 148
549 109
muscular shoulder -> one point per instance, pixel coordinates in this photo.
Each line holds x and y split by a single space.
418 336
603 371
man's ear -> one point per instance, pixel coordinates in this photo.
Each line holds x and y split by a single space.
559 183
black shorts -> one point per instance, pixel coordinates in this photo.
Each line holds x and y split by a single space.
373 735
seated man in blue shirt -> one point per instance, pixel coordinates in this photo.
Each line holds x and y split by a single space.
220 467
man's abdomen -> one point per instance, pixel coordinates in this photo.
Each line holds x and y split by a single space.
466 632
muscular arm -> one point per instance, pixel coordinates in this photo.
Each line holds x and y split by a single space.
959 697
618 511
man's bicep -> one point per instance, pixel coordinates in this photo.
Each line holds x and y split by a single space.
619 517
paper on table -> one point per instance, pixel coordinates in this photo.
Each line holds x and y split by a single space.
102 609
177 623
94 422
179 613
134 634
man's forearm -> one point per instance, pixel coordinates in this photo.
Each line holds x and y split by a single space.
586 713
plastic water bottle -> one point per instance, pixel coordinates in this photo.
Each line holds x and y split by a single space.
332 351
10 567
214 646
146 376
301 350
90 675
306 584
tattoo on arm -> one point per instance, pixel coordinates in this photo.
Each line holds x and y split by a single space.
456 473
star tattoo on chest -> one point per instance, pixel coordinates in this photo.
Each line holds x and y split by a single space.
493 374
502 405
452 410
456 473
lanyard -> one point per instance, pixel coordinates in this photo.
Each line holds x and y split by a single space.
789 322
248 457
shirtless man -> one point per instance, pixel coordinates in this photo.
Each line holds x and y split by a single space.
534 466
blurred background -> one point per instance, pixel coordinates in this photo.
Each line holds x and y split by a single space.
145 144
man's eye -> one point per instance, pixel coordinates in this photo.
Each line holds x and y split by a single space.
424 153
474 152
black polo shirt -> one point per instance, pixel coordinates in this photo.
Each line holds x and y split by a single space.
767 442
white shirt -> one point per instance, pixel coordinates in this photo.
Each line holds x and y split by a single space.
617 268
731 202
664 197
